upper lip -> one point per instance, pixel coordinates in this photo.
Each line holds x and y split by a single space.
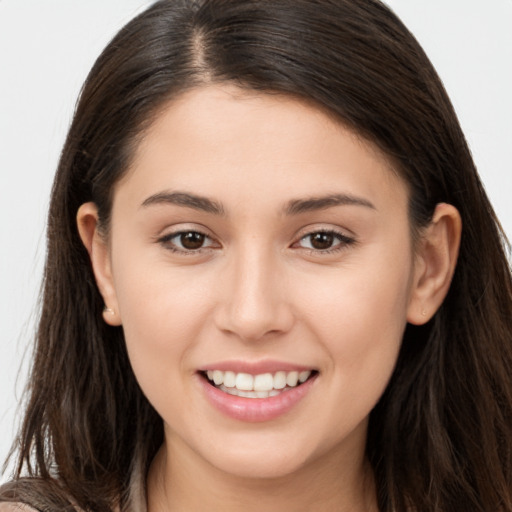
255 367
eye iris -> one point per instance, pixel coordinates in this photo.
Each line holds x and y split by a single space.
322 240
192 240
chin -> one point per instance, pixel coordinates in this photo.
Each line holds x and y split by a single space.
261 459
260 467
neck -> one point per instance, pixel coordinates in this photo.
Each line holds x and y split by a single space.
179 481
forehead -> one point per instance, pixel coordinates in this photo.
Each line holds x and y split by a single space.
236 143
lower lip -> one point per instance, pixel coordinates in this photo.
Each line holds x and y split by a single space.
255 409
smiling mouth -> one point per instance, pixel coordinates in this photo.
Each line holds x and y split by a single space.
263 385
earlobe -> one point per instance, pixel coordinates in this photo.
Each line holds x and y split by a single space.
436 258
97 247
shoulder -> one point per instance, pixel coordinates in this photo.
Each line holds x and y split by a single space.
15 507
42 494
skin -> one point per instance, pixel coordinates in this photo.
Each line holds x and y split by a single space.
259 289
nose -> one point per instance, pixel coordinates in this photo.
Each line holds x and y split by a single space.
253 298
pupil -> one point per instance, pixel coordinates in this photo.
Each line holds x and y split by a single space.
192 240
322 240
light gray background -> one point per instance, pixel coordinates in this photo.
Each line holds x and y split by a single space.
46 50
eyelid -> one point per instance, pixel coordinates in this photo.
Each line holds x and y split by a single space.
325 228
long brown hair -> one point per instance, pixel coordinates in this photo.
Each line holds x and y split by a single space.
441 436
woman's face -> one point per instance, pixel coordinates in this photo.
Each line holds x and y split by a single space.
255 241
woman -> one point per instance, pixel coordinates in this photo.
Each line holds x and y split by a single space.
273 279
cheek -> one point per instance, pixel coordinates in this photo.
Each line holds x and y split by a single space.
162 313
359 318
370 309
360 328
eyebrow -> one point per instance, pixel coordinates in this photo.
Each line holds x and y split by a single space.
294 207
297 206
185 199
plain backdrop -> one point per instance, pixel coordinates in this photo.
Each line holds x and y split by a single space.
46 50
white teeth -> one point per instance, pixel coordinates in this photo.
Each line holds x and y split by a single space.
229 379
244 382
245 394
304 376
257 386
250 394
263 382
292 378
280 380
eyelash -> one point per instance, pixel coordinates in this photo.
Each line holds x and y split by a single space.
343 242
166 241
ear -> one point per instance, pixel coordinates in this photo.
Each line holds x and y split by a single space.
436 258
97 247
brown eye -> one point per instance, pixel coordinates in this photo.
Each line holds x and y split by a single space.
187 242
325 241
321 241
192 240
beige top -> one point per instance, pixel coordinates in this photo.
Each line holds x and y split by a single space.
15 507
